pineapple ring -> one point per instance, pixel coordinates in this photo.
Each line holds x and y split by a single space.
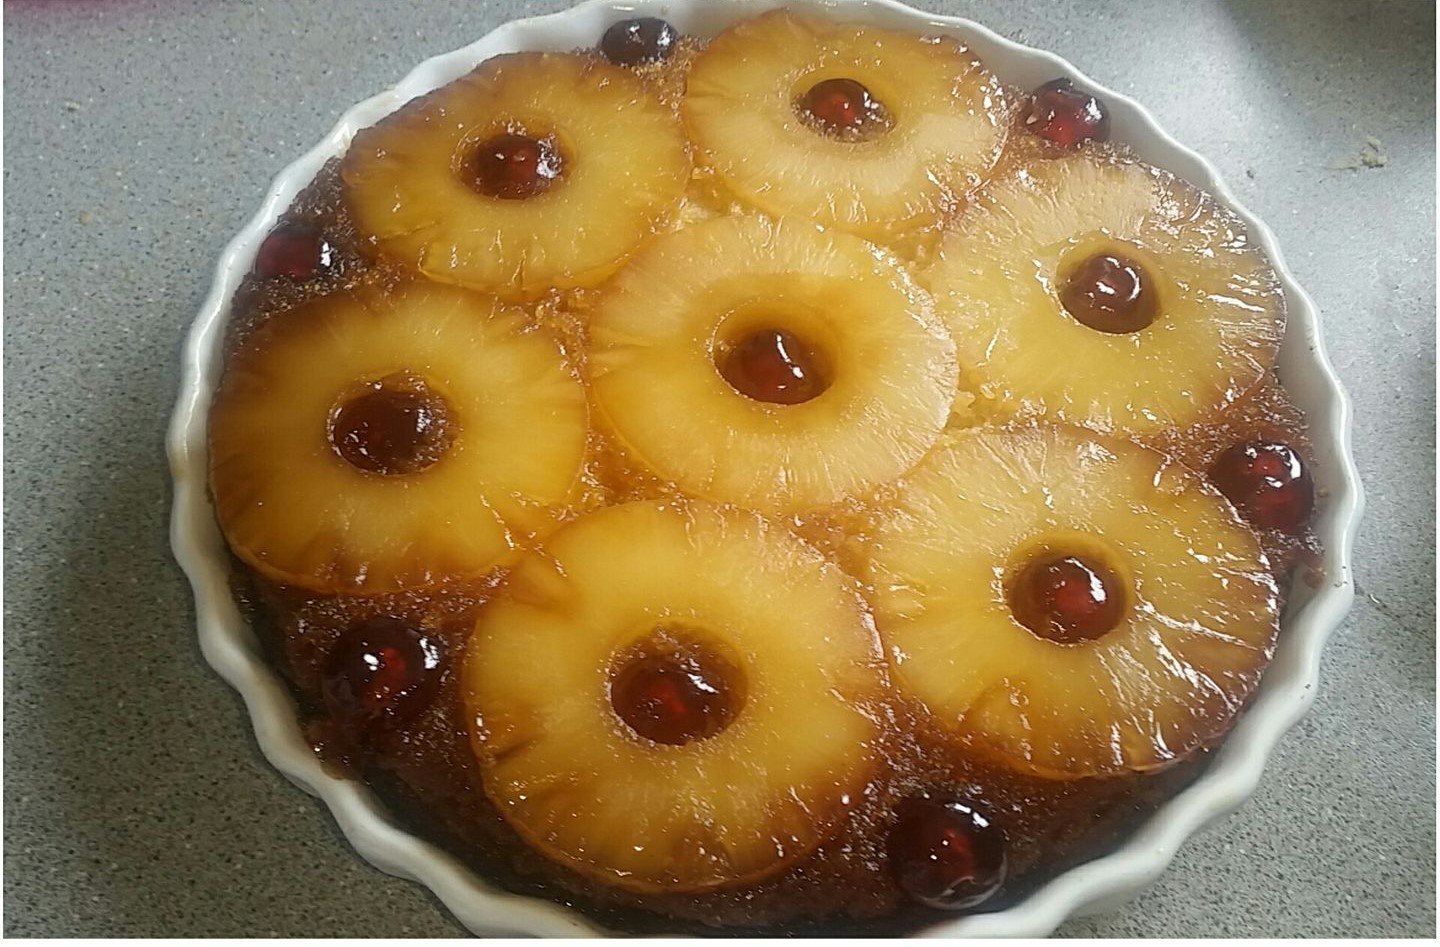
740 110
625 166
293 509
892 367
995 282
1167 680
586 790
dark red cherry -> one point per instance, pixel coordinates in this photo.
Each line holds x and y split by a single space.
641 40
842 107
945 853
1268 483
391 430
1111 293
1067 598
675 697
295 251
380 670
1067 116
514 167
774 366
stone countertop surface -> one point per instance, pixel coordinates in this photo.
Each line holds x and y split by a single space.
142 135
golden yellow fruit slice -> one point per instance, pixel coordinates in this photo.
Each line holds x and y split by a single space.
800 665
669 316
623 161
943 131
293 507
1001 269
1199 623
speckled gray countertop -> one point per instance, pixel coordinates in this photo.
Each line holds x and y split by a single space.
141 135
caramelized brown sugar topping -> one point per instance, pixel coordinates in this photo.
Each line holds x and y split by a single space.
790 481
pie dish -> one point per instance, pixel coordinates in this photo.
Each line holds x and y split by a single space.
1312 611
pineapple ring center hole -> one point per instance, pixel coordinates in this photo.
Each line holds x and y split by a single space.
1108 289
394 425
1067 595
672 688
843 108
772 365
512 165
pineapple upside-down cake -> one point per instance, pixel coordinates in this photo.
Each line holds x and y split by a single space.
786 480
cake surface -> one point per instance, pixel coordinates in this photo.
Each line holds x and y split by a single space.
790 481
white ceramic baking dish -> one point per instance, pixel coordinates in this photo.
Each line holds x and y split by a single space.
1289 684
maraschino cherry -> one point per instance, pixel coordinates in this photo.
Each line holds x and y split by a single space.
1268 483
382 670
513 166
842 107
1067 598
946 853
294 251
641 40
391 430
1111 293
774 366
673 697
1067 116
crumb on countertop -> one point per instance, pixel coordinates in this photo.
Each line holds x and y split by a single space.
1372 155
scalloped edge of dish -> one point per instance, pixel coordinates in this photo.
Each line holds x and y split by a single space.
1285 694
